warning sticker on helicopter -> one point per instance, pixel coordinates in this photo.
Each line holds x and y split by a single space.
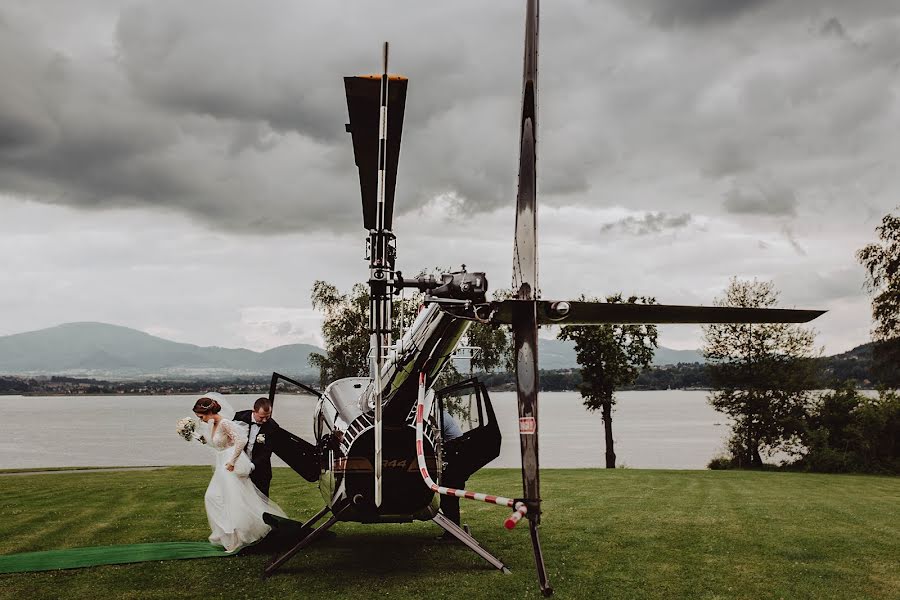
527 426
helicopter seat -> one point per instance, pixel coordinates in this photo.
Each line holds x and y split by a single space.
466 454
471 451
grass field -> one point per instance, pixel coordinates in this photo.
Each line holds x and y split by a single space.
606 534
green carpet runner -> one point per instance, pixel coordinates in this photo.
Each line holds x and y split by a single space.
75 558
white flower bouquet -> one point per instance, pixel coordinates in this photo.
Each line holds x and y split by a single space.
186 428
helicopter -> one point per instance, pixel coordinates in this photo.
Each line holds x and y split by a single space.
380 450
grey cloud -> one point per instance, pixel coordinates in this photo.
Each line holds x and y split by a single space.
55 135
833 27
792 239
284 64
233 113
762 200
173 59
727 158
814 288
693 13
668 13
252 135
292 83
650 223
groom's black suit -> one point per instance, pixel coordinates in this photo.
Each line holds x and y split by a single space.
261 456
299 454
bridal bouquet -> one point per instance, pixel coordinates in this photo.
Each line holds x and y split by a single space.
186 428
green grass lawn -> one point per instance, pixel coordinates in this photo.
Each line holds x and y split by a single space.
606 534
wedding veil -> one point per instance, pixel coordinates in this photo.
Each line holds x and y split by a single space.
227 412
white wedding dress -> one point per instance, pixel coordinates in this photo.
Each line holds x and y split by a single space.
234 506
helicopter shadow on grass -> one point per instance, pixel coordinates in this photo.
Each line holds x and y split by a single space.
394 552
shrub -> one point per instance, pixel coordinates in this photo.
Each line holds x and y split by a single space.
848 432
721 463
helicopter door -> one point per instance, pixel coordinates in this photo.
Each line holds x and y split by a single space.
299 454
478 446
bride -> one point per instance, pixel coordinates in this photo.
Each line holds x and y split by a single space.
234 506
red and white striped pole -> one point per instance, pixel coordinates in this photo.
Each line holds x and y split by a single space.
520 508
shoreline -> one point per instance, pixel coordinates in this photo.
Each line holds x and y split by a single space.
58 470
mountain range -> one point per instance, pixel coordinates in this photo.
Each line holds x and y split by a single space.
116 352
112 351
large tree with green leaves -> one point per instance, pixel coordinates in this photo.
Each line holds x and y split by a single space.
882 261
611 356
345 329
762 374
346 332
847 431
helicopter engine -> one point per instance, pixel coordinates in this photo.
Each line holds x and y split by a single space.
405 498
345 435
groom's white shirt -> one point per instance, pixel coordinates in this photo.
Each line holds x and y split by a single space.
252 434
254 431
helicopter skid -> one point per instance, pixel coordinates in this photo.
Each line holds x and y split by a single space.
306 541
473 545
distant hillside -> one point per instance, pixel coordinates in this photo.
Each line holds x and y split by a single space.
560 354
854 364
103 350
111 351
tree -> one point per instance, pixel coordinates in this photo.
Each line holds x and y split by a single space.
762 374
882 261
849 432
494 341
345 329
611 356
346 332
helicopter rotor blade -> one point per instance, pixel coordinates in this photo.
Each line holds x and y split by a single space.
550 312
525 289
364 105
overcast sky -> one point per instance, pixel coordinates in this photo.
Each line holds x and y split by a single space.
182 167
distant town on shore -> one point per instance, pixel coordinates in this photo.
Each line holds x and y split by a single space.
854 365
98 358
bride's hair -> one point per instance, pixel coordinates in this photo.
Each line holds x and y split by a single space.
207 406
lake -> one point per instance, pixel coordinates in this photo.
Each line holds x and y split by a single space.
653 430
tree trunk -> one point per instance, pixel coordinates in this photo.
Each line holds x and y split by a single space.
756 459
607 426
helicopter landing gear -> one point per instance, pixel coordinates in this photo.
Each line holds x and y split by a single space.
543 580
464 537
309 539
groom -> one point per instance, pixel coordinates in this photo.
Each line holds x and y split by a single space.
260 441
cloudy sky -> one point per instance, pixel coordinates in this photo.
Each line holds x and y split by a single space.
182 167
